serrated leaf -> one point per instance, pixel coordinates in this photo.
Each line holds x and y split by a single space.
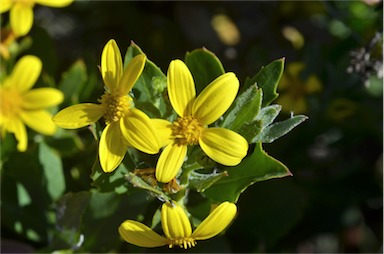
244 109
204 66
259 166
203 181
279 129
267 79
72 82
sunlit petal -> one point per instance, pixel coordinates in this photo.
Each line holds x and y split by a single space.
112 148
54 3
18 128
40 121
5 5
181 88
21 18
174 221
216 222
164 131
216 98
111 65
137 128
42 98
223 146
131 73
25 73
139 234
170 162
77 116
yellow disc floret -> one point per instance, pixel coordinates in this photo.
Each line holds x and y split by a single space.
187 130
182 242
116 106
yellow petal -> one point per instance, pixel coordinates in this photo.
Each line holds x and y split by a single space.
181 88
174 221
54 3
139 234
111 148
111 65
131 73
216 98
295 68
216 222
18 128
313 85
5 5
25 73
21 18
164 131
40 121
77 116
40 98
170 162
223 146
137 128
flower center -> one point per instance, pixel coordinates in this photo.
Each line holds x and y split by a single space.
116 106
182 242
10 102
187 130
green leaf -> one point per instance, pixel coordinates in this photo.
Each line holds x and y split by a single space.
244 109
250 130
279 129
204 66
203 181
53 170
268 114
267 79
140 183
259 166
72 82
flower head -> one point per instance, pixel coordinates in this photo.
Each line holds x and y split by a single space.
177 228
22 106
21 12
195 114
125 125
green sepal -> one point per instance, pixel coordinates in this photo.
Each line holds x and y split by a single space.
259 166
268 79
203 181
204 66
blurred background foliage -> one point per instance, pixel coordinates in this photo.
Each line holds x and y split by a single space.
332 203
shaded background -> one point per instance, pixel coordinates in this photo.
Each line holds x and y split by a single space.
333 202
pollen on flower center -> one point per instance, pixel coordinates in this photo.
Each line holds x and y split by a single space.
182 243
116 106
10 101
187 130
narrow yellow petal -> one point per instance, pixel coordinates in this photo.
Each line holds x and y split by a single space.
216 98
25 73
170 161
40 98
223 146
5 5
18 128
181 88
111 148
174 221
77 116
21 18
40 121
131 73
54 3
139 234
111 65
164 131
216 221
137 128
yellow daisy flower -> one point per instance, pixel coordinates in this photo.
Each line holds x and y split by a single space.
177 228
195 114
21 12
22 106
125 125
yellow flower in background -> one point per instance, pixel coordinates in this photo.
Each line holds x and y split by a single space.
21 12
125 125
294 89
177 228
195 114
22 106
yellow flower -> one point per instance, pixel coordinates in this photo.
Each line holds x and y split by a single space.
125 125
195 114
22 106
294 89
21 12
177 228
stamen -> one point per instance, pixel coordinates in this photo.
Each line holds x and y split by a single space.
187 130
182 243
116 106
